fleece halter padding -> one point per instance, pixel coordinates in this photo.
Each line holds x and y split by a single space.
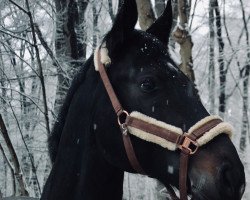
104 57
223 127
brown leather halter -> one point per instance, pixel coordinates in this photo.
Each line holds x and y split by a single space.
186 143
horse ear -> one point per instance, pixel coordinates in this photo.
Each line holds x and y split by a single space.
124 23
161 28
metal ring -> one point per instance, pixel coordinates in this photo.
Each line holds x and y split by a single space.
124 112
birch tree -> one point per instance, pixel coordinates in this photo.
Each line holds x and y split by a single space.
211 75
245 72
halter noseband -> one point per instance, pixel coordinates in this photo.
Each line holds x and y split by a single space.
163 134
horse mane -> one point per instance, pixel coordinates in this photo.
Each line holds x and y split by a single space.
54 137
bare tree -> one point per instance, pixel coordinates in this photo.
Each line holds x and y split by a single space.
211 75
245 72
21 189
69 43
183 38
222 70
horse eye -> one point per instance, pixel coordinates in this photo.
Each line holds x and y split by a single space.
148 85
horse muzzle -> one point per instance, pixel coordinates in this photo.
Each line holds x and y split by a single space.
217 175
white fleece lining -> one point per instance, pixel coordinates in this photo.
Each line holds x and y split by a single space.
150 137
203 121
104 56
212 133
208 136
156 122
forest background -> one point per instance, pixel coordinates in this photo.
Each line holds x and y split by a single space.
43 43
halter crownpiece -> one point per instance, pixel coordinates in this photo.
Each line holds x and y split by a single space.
158 132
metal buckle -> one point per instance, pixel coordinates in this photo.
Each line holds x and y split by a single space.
190 145
124 129
123 125
123 113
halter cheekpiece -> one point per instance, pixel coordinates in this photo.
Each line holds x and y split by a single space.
158 132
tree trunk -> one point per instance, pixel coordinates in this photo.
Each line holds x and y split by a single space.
245 75
2 84
146 13
222 70
183 38
69 43
12 173
110 10
211 73
245 107
95 24
174 23
17 169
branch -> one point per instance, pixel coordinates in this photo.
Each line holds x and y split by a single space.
15 54
11 169
46 47
18 173
40 69
17 37
27 149
242 31
25 95
22 9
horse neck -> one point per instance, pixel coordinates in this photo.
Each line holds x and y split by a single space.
99 179
87 176
80 170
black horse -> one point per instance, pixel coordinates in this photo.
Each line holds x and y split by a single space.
86 144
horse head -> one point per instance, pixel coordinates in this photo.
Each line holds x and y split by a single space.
146 79
88 143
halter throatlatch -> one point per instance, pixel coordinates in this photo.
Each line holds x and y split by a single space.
161 133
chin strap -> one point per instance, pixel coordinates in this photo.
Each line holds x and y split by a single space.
163 134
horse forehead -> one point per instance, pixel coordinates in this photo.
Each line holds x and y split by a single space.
146 51
148 45
151 56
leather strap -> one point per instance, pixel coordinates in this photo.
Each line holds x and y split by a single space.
119 110
185 153
112 96
183 174
153 129
131 154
